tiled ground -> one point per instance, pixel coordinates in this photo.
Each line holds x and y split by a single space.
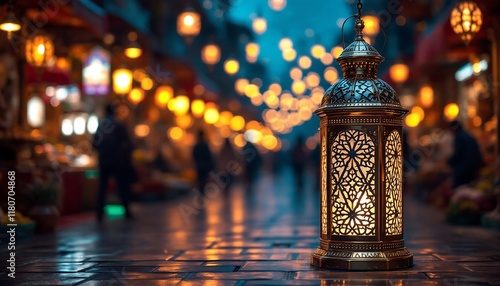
263 237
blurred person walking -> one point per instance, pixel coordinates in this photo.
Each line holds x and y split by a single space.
230 164
253 162
466 159
115 148
203 160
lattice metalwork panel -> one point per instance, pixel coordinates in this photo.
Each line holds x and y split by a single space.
353 183
324 203
393 184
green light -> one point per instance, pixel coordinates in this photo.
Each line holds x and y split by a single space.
91 174
114 210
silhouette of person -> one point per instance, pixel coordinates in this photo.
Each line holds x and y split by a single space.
466 159
298 162
229 163
253 161
115 160
203 160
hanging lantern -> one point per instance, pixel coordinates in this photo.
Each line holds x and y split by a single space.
231 66
39 51
210 54
133 49
259 25
361 167
122 81
466 20
189 23
399 72
10 23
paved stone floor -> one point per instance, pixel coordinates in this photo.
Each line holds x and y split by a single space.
263 237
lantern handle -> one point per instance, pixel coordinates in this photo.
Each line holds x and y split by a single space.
352 16
385 39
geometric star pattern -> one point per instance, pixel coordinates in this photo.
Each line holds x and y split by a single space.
393 185
353 184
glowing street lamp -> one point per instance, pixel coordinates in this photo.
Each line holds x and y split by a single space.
189 24
466 20
122 81
39 51
10 23
133 49
210 54
361 167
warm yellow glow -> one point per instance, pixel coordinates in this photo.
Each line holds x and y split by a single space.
163 95
451 111
259 25
225 117
184 121
298 87
317 51
210 54
139 74
305 62
188 24
147 83
326 59
141 130
240 85
419 112
197 108
237 123
466 19
122 81
136 95
477 121
181 105
133 52
269 142
63 64
10 23
476 67
175 133
305 113
239 140
231 66
252 50
276 88
336 51
296 74
277 5
257 100
426 96
289 54
399 72
412 120
251 90
372 25
211 113
331 75
39 51
312 80
285 43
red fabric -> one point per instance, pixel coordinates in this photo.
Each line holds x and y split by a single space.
45 75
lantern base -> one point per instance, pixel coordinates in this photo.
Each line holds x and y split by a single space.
359 260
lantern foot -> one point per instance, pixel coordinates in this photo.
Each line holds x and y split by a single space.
357 260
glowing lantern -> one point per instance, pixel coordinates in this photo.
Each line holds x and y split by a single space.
466 20
231 66
133 49
136 95
399 72
361 225
210 54
197 108
163 95
259 25
39 51
122 81
451 111
426 96
188 23
10 23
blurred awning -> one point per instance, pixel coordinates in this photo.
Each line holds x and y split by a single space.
46 76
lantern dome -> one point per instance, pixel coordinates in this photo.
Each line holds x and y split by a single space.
360 86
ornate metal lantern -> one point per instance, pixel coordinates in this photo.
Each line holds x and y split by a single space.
466 20
361 167
39 51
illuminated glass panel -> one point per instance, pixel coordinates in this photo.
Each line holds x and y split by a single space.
353 183
394 185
